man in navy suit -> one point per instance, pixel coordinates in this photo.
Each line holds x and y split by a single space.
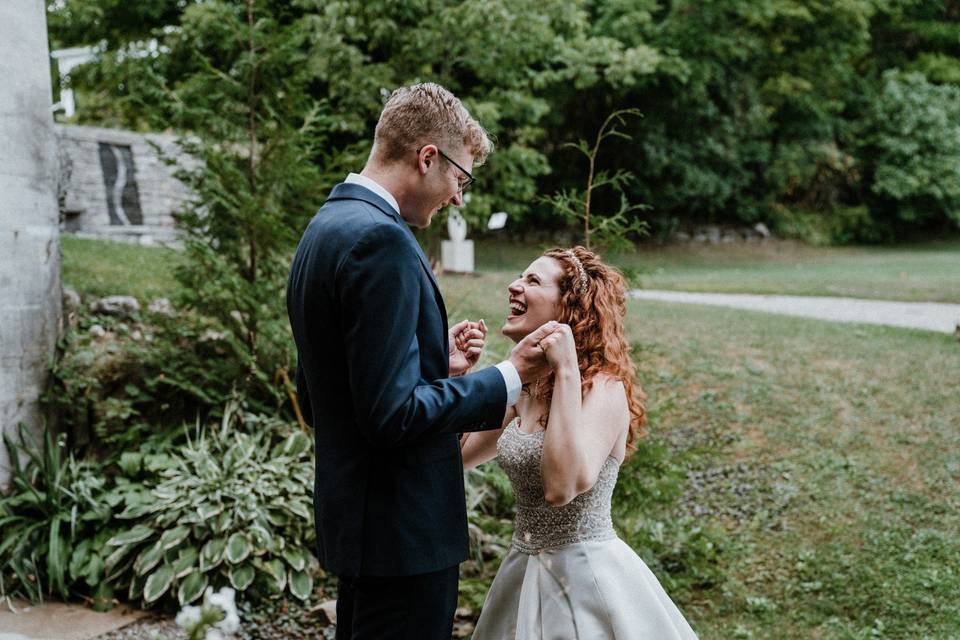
383 381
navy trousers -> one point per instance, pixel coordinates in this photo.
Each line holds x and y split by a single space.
419 607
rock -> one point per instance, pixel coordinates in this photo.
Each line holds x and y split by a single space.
161 306
97 331
328 609
762 230
71 299
681 236
116 306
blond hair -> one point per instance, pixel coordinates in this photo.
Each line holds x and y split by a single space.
427 114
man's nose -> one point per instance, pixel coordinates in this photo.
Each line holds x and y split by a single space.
457 199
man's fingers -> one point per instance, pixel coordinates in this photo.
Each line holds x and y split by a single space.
543 331
459 327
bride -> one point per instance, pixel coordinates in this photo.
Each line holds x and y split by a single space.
567 574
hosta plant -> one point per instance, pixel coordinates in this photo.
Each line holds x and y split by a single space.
233 507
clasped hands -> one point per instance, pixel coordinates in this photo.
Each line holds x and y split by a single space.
549 347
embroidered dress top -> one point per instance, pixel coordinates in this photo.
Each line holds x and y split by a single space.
540 525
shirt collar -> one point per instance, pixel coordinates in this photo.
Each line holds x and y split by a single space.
376 187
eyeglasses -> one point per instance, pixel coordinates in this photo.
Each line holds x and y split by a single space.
466 183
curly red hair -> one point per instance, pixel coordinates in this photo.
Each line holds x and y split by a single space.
595 314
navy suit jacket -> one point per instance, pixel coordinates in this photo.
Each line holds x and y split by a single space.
372 379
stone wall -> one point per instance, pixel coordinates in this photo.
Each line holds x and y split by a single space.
114 184
29 247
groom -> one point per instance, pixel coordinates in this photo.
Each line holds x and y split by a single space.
375 361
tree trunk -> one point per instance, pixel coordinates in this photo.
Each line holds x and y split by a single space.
30 295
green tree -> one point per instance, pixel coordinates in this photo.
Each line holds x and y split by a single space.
911 153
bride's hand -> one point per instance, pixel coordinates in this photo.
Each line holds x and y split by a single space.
560 349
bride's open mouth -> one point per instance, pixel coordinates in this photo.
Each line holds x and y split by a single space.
517 308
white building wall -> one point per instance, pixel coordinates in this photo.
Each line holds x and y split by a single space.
29 249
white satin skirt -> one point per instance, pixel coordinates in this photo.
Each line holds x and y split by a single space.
596 590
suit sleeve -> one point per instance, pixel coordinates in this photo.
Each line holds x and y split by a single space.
379 290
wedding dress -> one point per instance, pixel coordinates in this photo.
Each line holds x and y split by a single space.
567 575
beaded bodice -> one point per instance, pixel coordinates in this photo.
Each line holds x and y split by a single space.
538 524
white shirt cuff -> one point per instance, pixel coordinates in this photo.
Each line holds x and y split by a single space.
512 379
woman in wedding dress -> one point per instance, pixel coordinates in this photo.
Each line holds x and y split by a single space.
567 574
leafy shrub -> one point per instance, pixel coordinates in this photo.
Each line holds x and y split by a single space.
143 375
911 152
490 509
839 226
56 506
231 506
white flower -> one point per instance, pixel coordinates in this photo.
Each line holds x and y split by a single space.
188 617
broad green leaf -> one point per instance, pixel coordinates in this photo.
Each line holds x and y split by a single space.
172 537
134 511
138 533
296 557
238 548
185 561
212 553
276 518
79 559
191 587
148 559
158 583
276 570
115 558
301 584
296 444
241 576
300 508
130 463
207 510
94 571
136 588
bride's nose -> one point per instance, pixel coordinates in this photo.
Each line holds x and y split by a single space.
516 286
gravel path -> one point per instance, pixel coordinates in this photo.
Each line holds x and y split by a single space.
929 316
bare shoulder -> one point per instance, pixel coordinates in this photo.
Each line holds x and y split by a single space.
606 388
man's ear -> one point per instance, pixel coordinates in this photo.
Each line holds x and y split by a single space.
429 155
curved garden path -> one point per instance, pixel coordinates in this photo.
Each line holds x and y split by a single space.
928 316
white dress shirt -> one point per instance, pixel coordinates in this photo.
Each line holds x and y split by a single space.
509 372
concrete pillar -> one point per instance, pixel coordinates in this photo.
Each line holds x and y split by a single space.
29 244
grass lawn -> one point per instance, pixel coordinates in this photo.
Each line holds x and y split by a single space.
833 463
102 268
828 453
928 272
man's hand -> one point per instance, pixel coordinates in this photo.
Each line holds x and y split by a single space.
466 343
528 357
